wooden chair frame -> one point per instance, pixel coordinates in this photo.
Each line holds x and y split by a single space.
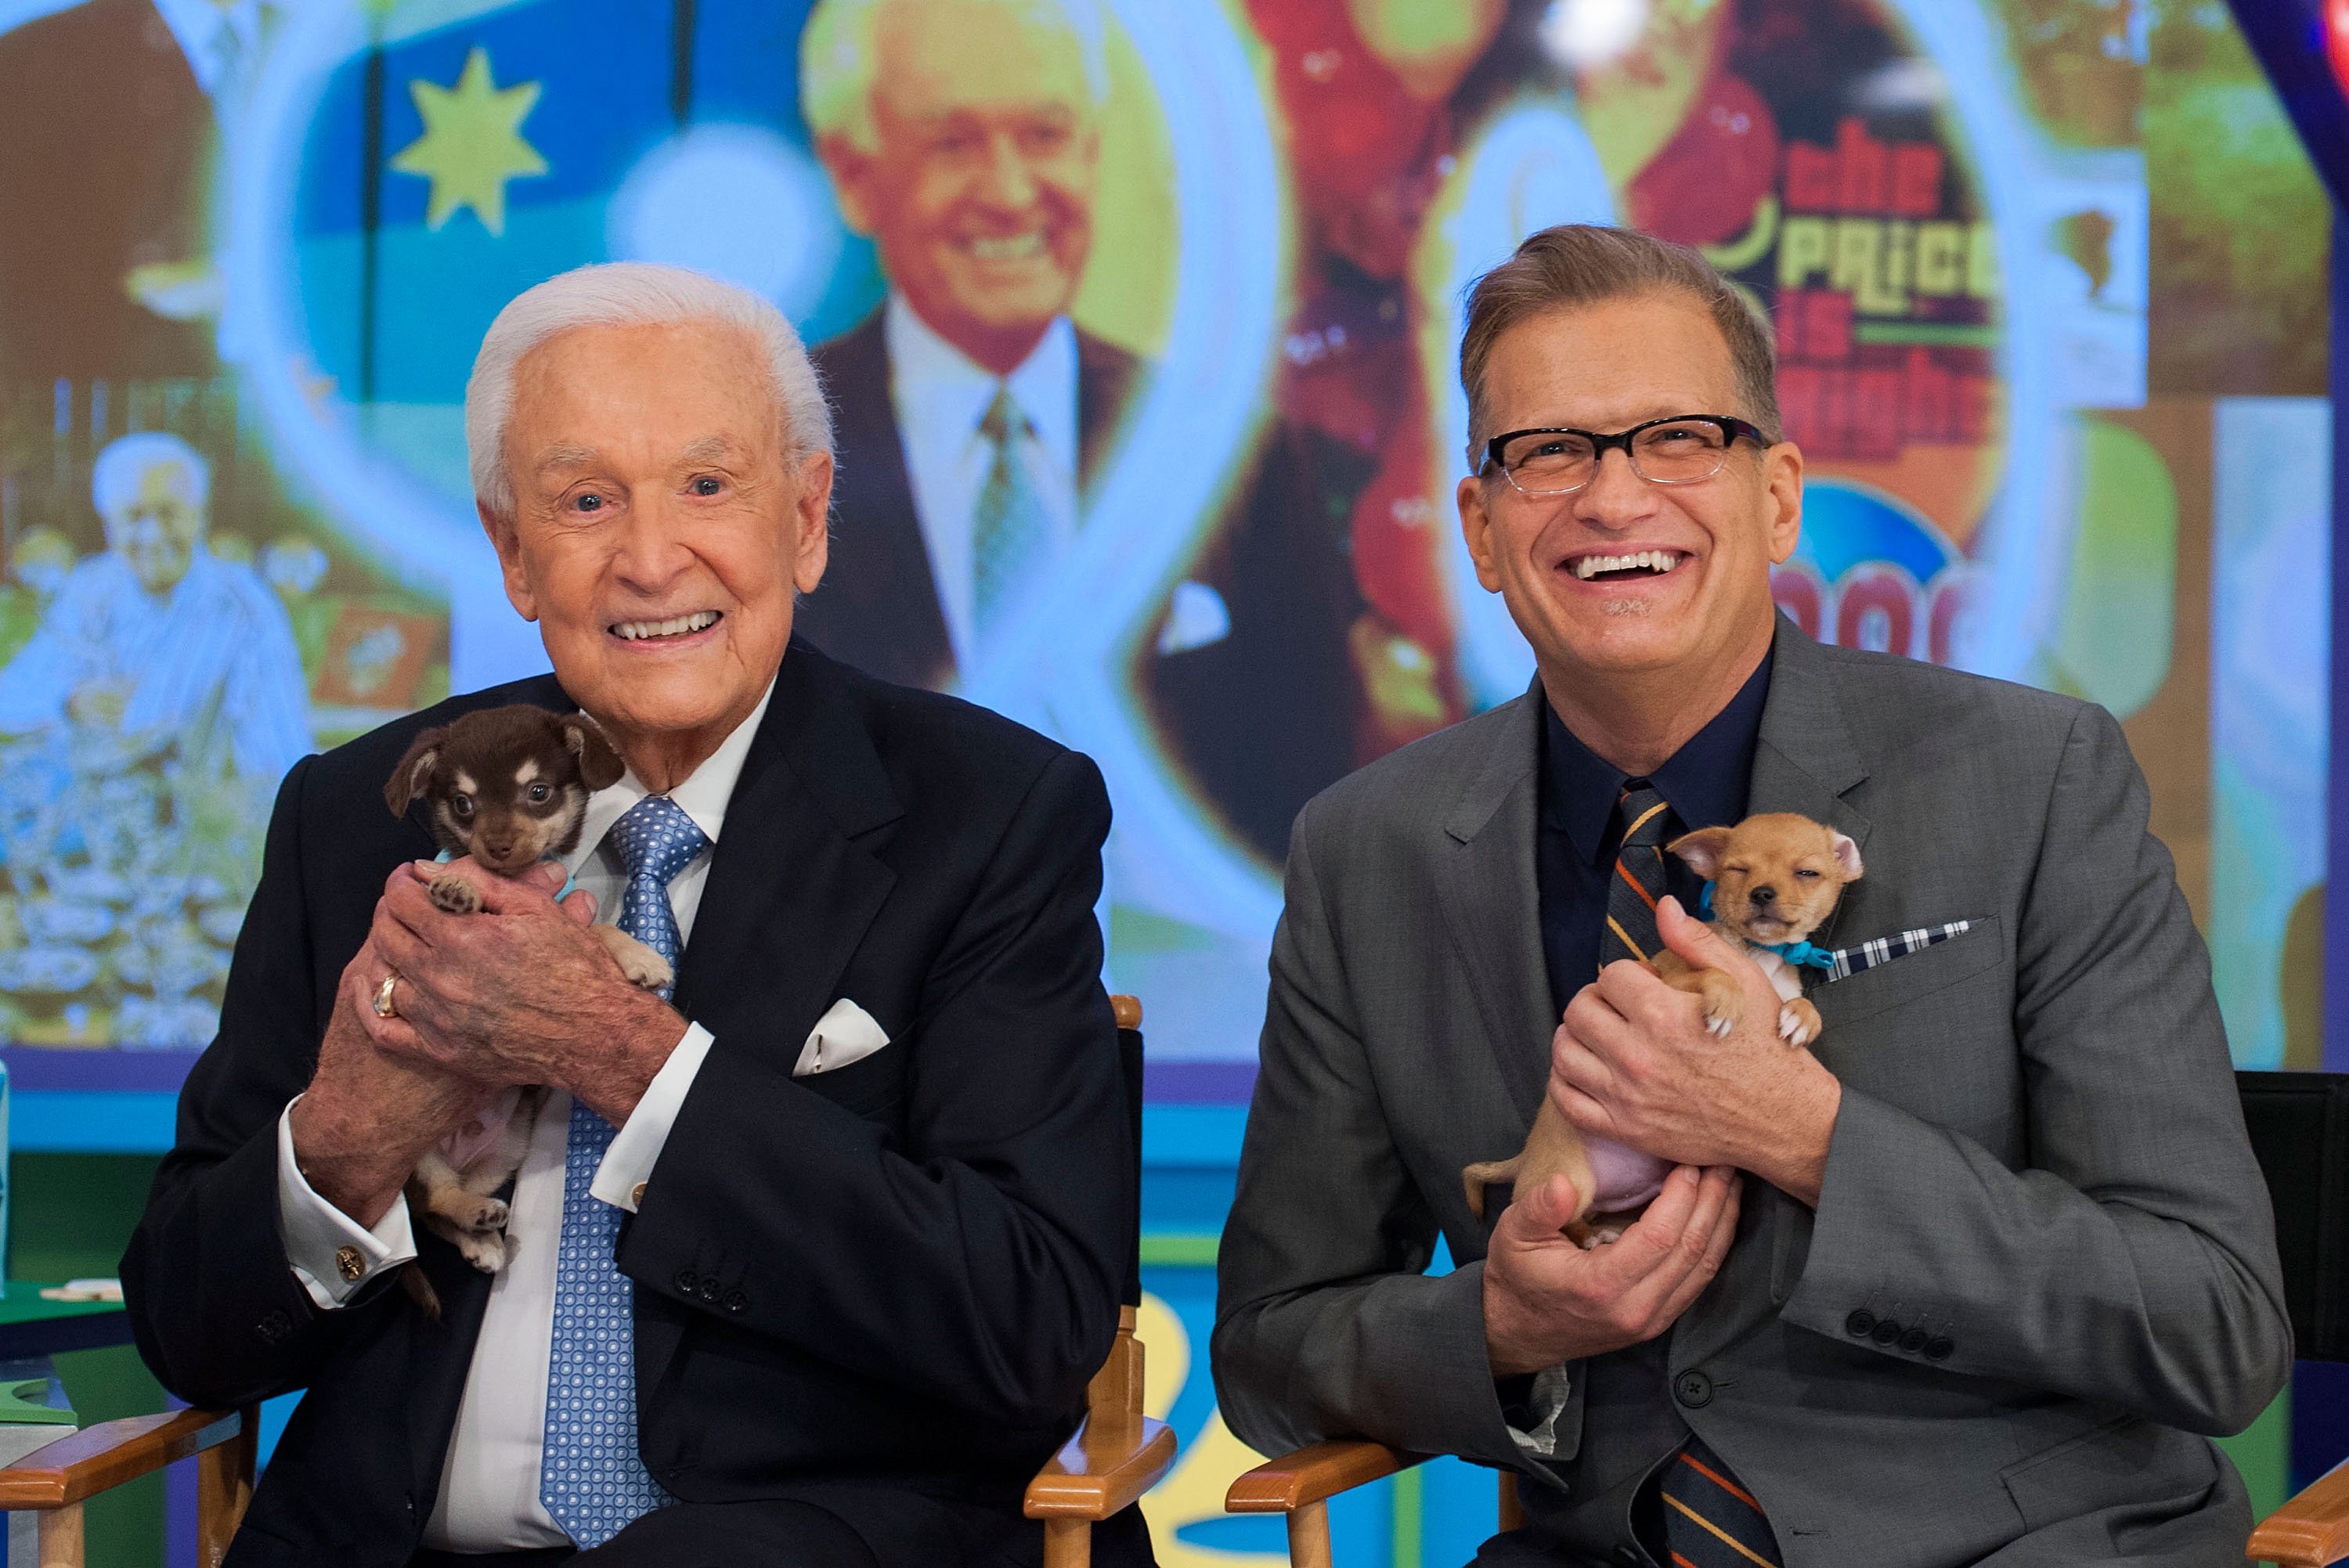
1301 1485
1115 1456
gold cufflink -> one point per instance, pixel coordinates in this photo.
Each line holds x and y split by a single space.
347 1260
637 1198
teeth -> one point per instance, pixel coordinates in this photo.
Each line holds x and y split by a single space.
675 626
1656 561
1008 247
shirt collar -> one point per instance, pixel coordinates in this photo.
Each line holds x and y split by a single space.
953 391
702 797
1705 780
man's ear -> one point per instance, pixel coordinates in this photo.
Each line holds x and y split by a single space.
406 780
1476 527
599 761
1702 851
811 521
1783 476
1846 854
506 540
852 170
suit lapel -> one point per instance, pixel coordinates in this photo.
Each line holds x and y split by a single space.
1486 878
793 884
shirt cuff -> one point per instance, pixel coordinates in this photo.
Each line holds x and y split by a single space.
333 1255
1552 1388
637 1147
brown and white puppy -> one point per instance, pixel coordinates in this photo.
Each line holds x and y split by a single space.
509 787
1776 878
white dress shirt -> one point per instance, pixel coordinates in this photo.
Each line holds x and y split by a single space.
488 1483
940 396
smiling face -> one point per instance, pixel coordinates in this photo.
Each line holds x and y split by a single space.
659 529
156 531
1624 579
979 188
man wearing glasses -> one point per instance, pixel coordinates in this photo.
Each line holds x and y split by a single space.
1972 1283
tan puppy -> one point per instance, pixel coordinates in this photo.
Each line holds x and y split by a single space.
1776 878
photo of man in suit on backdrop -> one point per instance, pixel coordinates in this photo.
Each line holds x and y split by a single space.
975 416
885 1078
1972 1283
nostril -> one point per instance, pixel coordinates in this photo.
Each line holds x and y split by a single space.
1764 896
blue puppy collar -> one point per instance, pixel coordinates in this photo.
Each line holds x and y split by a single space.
1801 954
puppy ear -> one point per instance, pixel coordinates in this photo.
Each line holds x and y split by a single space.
599 762
406 780
1846 854
1702 851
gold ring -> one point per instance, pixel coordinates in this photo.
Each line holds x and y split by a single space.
383 1008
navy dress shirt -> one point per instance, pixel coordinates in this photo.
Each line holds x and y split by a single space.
1705 781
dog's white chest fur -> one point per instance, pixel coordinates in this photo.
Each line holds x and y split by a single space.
1784 979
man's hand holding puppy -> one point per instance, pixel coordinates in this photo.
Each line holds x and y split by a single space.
1633 1061
521 993
1548 1301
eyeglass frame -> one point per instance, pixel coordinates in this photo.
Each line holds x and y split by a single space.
1729 425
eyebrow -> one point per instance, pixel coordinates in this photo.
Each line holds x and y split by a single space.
709 449
566 455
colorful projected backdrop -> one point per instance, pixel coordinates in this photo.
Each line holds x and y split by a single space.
277 234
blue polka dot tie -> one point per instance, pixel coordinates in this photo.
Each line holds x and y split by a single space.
594 1482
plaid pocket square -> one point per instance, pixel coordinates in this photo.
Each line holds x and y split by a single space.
1846 961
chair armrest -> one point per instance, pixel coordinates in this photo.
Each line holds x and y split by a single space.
105 1456
1101 1470
1315 1474
2308 1532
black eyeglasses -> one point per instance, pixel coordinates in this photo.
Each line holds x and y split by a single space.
1677 449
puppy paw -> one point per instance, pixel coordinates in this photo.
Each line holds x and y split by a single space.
1798 1022
640 963
489 1216
486 1250
454 894
1724 1004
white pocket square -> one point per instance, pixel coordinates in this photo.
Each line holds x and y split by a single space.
845 1033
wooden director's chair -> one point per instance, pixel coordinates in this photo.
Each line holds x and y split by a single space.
1114 1456
2299 1125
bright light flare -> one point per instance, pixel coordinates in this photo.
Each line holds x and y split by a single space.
1587 34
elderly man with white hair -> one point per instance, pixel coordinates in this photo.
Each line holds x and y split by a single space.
814 1257
158 639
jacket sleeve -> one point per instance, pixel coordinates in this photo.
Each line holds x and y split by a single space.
214 1305
2132 1262
979 1262
1327 1326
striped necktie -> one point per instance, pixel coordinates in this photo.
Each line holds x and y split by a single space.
592 1479
1639 879
1710 1520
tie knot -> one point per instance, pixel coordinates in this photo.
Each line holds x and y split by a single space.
1003 418
1647 815
657 839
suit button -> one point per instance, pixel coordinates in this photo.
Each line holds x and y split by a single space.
1887 1331
1861 1324
1693 1389
1916 1339
737 1302
1938 1350
708 1291
686 1281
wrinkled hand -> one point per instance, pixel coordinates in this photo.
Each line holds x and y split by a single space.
1633 1062
1548 1301
366 1118
520 992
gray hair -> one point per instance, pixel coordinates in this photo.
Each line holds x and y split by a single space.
1576 264
631 293
114 478
839 45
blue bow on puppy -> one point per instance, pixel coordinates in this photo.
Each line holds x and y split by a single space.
1801 954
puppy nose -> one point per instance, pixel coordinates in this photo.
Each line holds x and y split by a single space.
1765 894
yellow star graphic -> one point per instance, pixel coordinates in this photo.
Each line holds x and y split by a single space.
473 143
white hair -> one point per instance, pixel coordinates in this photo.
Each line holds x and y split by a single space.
115 477
839 45
631 293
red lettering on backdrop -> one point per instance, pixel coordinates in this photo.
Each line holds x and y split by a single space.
1871 591
1798 591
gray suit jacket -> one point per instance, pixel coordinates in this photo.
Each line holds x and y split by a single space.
2040 1161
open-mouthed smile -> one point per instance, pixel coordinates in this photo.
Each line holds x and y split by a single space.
674 629
1020 247
1624 568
